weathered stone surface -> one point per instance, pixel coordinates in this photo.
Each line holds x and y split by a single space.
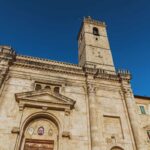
65 106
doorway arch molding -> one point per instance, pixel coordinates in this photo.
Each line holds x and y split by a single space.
116 145
33 117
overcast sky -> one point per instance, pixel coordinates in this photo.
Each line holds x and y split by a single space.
48 29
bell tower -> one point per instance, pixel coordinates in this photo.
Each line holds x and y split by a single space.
93 45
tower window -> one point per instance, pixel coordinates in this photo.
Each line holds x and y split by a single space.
95 31
38 87
142 108
56 89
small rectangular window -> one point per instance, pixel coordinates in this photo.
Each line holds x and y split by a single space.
148 134
142 108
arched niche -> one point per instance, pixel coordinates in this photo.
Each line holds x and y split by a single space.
95 31
116 148
39 130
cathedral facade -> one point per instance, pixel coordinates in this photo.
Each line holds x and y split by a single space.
50 105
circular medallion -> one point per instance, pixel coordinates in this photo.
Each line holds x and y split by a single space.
40 130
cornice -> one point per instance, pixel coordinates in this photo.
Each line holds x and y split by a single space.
46 61
70 69
36 63
47 65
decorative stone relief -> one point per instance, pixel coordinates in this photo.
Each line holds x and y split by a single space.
41 129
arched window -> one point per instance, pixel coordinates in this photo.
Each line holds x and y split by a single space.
56 89
95 31
47 87
38 87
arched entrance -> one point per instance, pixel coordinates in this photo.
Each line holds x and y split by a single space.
116 148
40 132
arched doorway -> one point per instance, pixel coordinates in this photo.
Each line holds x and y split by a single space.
116 148
40 133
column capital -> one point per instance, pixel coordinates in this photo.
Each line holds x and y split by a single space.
128 92
91 88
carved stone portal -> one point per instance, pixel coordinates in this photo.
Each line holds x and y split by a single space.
116 148
40 134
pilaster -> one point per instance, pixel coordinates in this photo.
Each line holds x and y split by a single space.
133 117
93 117
7 56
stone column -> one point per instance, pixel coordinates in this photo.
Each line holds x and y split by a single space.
93 118
134 119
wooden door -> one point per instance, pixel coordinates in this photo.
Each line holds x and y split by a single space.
39 145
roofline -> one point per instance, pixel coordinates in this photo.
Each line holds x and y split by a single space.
45 60
143 97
